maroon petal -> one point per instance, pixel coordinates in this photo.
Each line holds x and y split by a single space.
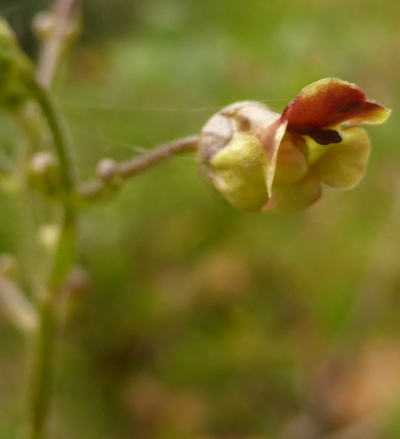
328 102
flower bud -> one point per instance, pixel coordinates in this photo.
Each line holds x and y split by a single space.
78 282
43 27
48 236
107 170
43 173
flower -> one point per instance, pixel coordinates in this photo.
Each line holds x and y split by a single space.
260 160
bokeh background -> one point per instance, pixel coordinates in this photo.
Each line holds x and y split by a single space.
202 322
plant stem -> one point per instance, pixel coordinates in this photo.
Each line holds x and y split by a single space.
111 175
61 144
63 259
44 358
66 249
64 255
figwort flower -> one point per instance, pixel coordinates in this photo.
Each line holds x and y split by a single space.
258 159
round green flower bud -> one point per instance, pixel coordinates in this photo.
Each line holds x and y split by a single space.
107 170
48 236
44 173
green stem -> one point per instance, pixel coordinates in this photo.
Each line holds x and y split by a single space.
59 138
63 260
44 351
33 126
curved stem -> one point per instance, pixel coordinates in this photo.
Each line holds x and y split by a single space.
64 255
63 260
59 137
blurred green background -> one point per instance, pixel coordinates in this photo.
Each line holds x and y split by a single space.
201 321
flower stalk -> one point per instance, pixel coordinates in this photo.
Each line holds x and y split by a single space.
111 175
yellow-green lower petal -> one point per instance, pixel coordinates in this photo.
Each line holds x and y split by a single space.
294 197
344 164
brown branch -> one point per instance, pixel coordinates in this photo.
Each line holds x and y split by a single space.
111 175
56 41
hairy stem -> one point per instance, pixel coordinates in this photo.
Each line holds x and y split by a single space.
111 174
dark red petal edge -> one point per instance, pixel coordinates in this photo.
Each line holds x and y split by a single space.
329 102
